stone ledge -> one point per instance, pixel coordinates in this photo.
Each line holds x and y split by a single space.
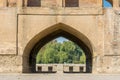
66 11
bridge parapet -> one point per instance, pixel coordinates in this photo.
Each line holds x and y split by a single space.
63 68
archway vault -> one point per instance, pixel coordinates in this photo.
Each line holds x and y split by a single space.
60 29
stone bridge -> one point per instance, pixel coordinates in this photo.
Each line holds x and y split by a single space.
27 25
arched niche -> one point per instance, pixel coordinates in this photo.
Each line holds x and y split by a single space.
108 3
60 29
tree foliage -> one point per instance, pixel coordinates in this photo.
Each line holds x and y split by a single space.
66 52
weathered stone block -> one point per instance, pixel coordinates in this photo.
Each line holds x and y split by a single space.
8 28
3 3
10 64
12 3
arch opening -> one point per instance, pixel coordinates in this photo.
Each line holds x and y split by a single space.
107 3
29 57
61 51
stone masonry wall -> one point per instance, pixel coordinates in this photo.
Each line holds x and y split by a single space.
102 29
111 60
10 64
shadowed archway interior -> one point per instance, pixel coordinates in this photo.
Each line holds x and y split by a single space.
43 41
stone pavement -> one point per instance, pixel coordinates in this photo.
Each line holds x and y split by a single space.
59 77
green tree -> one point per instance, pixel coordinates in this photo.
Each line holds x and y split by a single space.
83 59
66 52
63 57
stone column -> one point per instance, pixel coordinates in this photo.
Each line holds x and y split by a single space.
25 3
60 3
20 3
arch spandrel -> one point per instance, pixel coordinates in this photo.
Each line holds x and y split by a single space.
57 27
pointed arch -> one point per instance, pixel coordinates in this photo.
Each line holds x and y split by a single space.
108 3
60 29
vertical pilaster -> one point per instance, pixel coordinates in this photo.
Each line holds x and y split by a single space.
100 2
25 3
116 3
60 2
20 3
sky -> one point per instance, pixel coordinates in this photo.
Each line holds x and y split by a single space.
61 39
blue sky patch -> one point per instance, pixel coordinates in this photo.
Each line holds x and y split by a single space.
61 39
